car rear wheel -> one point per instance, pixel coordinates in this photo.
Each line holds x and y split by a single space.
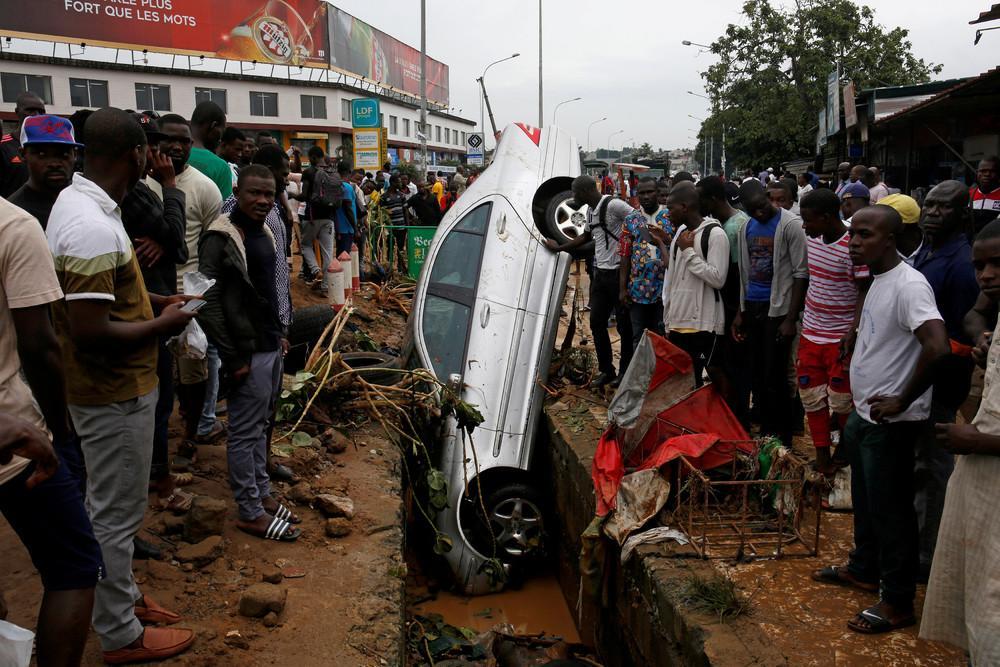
563 221
307 326
515 525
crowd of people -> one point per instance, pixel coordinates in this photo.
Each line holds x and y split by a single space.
852 308
858 310
110 219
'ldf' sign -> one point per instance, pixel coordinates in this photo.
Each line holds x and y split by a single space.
365 113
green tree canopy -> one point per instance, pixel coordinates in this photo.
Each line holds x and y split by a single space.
769 83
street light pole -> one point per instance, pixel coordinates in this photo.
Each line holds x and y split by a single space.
599 120
423 88
540 99
610 137
484 98
556 110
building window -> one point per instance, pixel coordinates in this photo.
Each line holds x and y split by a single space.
217 95
437 133
465 138
263 104
447 135
345 110
15 84
393 125
88 93
152 97
313 106
406 127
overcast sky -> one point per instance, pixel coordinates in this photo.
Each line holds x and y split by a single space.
626 59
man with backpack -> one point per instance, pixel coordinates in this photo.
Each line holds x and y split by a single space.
323 194
695 318
605 221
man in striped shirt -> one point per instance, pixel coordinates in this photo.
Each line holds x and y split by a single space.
829 322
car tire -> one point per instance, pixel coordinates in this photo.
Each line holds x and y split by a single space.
374 366
307 326
562 222
516 527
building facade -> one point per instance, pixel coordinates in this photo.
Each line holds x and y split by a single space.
296 112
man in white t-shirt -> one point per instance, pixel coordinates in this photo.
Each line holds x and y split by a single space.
901 337
605 221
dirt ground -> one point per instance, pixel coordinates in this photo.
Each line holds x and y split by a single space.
346 610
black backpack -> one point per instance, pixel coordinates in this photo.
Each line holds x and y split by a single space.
327 189
705 236
602 221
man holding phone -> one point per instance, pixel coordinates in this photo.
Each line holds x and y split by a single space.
643 262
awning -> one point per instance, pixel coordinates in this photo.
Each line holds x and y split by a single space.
992 14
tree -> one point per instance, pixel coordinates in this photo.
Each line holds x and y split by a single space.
645 149
769 84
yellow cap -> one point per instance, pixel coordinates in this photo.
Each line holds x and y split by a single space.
906 206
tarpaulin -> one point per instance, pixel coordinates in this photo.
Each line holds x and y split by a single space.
667 419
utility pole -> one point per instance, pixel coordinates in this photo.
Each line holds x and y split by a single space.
423 89
541 112
489 109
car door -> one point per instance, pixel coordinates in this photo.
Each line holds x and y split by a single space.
463 333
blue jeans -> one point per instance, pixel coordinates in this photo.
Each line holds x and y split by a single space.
207 421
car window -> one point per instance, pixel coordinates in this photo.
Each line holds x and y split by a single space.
456 263
445 328
451 292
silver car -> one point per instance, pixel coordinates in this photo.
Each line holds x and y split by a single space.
485 315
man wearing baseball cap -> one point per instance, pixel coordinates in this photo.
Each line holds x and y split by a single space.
48 148
911 239
13 173
854 197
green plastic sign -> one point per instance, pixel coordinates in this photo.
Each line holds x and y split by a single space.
365 113
418 244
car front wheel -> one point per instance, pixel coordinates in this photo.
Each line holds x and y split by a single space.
514 529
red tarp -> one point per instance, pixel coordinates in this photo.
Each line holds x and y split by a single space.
699 426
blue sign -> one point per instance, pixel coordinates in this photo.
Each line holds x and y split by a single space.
365 113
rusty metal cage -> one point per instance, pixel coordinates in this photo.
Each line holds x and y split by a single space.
728 516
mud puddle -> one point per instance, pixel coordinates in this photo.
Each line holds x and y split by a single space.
537 607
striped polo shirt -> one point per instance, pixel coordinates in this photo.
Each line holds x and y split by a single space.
833 293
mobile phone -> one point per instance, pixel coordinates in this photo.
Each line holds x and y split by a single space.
193 306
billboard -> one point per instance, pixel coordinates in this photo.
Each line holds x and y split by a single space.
290 32
833 102
850 106
361 50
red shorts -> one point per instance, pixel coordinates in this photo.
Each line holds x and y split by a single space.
820 365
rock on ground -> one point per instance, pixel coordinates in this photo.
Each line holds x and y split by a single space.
302 494
271 575
335 506
260 599
335 441
206 517
201 554
339 527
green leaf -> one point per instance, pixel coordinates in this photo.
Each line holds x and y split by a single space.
300 439
443 544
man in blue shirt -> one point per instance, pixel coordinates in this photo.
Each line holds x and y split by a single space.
945 261
346 222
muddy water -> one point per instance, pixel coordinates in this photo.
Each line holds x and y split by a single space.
538 606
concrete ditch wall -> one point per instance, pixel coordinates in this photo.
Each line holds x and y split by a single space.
641 621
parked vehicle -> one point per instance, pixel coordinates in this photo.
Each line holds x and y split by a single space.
484 319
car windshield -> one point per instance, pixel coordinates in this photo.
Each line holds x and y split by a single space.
451 292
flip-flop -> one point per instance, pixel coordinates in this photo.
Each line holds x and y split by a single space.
278 530
284 513
178 502
877 623
840 576
183 478
282 473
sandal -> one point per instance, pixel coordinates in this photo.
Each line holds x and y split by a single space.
182 478
840 576
282 512
179 502
871 622
278 530
282 473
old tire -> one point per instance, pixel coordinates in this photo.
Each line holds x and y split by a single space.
516 523
372 366
307 326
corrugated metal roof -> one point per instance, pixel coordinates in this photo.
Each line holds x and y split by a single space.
991 14
944 94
